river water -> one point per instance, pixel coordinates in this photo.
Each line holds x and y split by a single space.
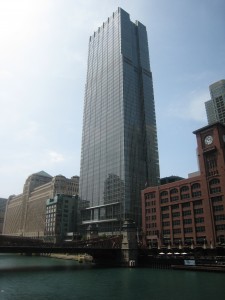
24 277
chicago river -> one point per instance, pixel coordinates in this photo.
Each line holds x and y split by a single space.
29 277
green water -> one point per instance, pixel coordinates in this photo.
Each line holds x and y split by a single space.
47 278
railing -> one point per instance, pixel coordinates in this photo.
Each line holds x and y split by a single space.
11 242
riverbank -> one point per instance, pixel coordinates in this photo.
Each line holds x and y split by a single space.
206 268
77 257
204 264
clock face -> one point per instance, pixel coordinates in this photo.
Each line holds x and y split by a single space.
208 140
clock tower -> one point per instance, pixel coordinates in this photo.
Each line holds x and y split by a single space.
211 156
211 150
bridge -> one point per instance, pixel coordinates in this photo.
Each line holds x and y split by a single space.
117 250
16 244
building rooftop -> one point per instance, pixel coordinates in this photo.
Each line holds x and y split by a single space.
43 173
208 126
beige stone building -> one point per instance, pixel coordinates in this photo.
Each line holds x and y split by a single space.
25 213
2 212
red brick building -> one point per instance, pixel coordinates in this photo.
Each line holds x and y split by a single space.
190 211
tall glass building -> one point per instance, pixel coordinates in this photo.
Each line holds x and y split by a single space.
119 154
215 108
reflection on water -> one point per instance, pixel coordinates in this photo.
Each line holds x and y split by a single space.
20 263
23 278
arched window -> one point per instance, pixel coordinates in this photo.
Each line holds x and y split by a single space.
195 186
184 188
214 181
214 189
174 191
164 193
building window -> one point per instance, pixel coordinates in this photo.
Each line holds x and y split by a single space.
187 213
200 239
216 199
185 196
176 231
218 208
176 214
197 202
176 222
184 188
174 198
188 230
198 211
151 203
211 161
150 196
200 229
173 191
199 220
187 221
164 208
166 231
164 200
164 193
165 216
220 227
187 204
175 206
215 190
196 186
214 181
196 194
167 223
219 218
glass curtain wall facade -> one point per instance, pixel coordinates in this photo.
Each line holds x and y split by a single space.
119 154
215 108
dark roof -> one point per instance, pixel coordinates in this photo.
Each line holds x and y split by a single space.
43 173
208 126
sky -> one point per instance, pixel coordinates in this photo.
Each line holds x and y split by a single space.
43 65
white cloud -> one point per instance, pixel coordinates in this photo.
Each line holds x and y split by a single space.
55 157
196 107
190 107
5 74
29 132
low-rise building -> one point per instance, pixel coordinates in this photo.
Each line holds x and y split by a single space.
190 211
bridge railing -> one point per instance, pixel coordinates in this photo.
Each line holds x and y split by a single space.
111 242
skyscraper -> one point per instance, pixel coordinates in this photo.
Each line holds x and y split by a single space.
119 154
215 108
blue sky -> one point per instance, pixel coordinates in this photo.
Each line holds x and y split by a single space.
43 62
